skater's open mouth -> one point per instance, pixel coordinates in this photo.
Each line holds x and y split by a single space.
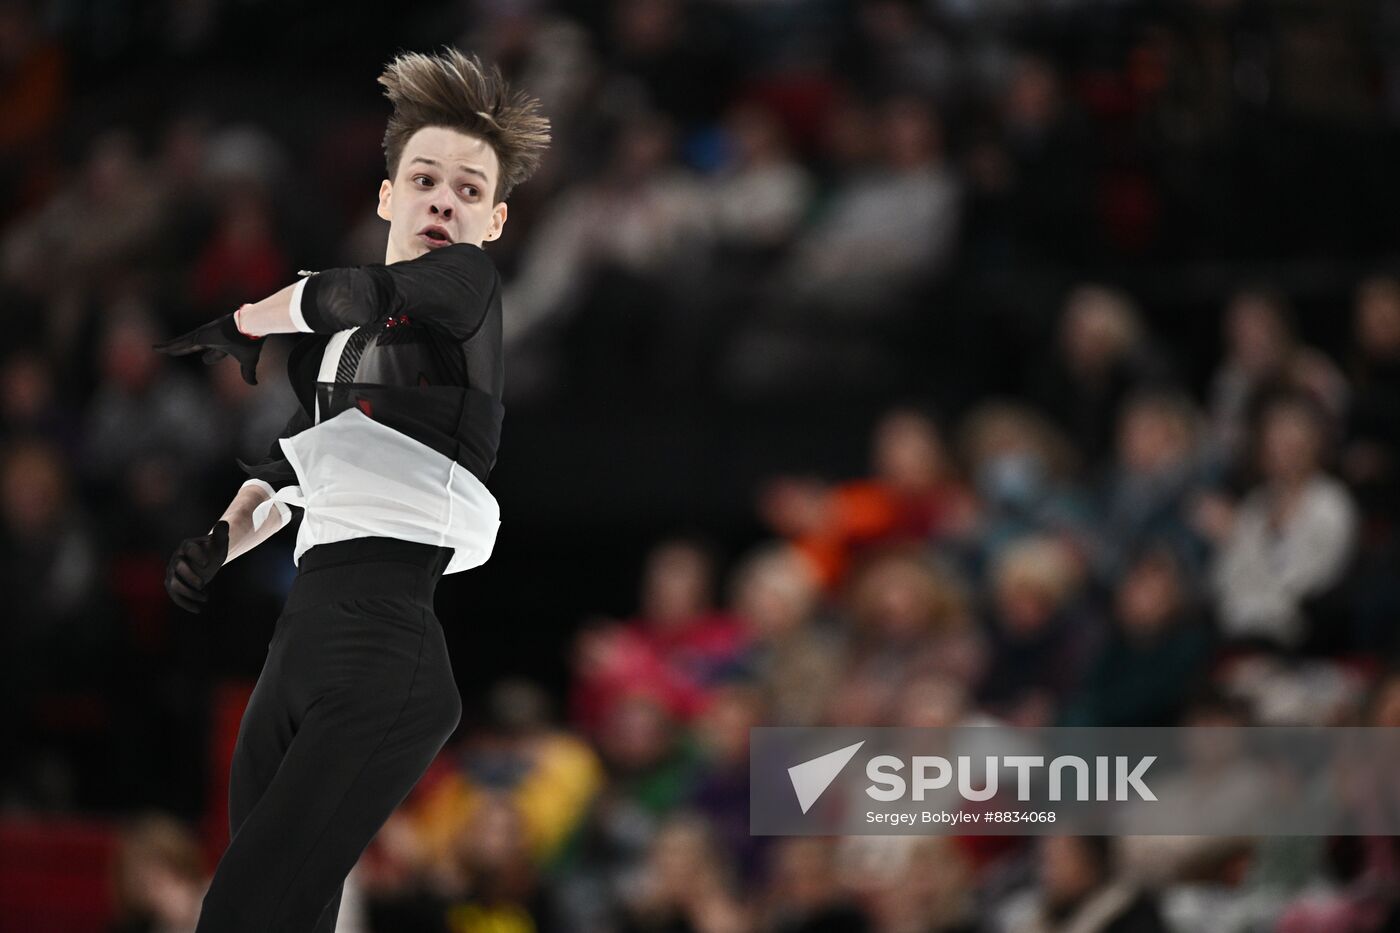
435 235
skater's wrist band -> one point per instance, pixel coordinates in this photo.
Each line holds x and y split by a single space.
261 510
262 484
238 324
284 497
299 319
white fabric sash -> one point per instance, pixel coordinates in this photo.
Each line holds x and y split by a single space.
366 479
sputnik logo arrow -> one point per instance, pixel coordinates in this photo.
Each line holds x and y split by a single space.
811 778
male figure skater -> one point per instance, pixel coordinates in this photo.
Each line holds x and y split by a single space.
399 382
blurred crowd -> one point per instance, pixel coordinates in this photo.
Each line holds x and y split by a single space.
1221 561
1116 279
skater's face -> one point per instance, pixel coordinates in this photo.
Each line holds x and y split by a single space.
442 194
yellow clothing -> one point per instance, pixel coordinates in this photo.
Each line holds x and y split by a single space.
564 778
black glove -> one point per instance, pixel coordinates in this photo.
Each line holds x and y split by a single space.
193 565
219 338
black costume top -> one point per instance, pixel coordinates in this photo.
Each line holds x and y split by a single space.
431 363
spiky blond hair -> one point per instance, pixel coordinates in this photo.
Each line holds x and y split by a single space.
460 93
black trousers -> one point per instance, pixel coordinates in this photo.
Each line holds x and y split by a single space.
355 699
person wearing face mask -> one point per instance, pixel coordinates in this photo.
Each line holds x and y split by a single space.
1020 466
398 377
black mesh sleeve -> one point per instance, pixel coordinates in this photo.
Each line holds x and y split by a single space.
447 290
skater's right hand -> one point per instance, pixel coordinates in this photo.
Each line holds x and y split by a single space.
193 565
217 339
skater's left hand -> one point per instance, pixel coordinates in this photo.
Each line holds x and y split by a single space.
193 566
219 338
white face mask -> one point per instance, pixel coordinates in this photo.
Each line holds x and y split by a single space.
1016 479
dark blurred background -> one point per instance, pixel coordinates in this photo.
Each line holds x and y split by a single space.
915 362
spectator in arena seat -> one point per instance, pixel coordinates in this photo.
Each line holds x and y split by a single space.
58 633
678 645
485 881
1219 783
243 257
1365 877
803 894
657 214
931 891
835 308
886 229
31 404
652 766
1024 473
46 540
1102 355
721 791
1157 649
1291 538
763 193
1354 892
548 775
1371 457
1359 886
496 886
795 651
608 664
1050 150
1151 484
121 205
1081 891
159 877
143 405
1263 358
181 170
678 617
938 701
911 618
1370 461
1042 638
686 885
914 494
